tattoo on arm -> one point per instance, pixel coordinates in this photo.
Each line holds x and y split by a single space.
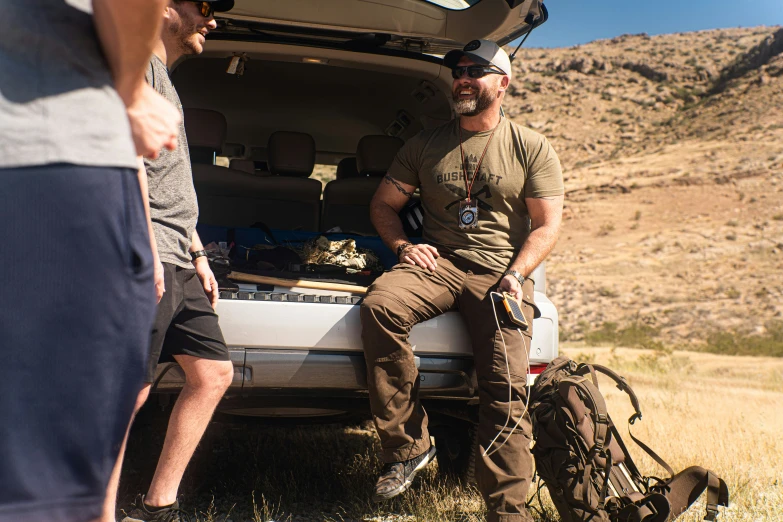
388 179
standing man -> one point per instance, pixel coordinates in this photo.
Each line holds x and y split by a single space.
77 272
186 326
492 193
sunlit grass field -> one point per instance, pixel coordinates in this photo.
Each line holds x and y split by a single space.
724 413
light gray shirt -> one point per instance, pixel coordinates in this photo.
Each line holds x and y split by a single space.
57 98
173 204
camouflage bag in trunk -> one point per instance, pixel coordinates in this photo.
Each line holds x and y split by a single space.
585 465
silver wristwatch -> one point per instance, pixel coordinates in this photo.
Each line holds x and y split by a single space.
516 275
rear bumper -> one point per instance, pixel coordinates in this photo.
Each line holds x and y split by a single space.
285 345
291 321
266 372
269 372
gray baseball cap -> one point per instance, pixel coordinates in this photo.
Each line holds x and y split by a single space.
483 52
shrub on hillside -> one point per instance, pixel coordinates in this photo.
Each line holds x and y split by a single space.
634 335
737 343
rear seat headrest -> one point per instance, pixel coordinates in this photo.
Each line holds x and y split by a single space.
347 169
291 154
374 154
205 129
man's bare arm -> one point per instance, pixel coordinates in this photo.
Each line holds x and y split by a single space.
546 215
388 180
128 31
160 285
385 207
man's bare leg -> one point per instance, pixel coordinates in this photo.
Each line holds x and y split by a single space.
205 383
110 502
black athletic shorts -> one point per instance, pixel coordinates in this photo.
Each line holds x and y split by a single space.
185 323
76 308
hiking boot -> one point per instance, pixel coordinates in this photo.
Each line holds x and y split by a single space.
144 513
397 477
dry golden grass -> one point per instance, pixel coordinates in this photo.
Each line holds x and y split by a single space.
724 413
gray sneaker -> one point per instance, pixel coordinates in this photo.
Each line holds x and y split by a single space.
397 477
144 513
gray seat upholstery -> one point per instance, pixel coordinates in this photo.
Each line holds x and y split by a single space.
226 197
291 200
347 199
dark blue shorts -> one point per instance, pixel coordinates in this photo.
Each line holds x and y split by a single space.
76 308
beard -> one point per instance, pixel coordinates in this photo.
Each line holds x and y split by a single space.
473 106
185 32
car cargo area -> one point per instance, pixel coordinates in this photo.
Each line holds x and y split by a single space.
286 339
259 118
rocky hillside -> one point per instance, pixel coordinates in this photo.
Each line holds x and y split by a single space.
672 148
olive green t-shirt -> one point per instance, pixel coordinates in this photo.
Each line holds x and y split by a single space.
519 163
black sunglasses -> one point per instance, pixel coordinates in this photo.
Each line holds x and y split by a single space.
474 71
205 8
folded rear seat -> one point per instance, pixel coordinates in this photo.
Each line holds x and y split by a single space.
347 199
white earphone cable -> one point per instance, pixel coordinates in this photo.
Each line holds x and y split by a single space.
487 452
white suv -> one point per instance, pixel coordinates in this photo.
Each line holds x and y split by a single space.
285 87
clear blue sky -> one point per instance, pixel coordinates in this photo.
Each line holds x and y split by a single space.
574 22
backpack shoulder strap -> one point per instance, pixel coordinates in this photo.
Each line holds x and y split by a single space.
622 385
620 381
717 495
651 453
590 394
683 489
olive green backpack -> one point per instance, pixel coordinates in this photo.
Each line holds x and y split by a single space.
585 465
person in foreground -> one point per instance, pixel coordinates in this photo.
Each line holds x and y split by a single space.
77 277
186 326
492 193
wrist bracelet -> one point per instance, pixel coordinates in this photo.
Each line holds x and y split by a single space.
401 248
198 253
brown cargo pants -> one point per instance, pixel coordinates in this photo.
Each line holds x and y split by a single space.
407 295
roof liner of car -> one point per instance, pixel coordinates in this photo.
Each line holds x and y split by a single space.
410 26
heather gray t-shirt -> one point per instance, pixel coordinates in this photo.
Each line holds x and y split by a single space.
57 97
173 204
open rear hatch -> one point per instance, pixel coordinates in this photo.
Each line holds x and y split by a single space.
426 27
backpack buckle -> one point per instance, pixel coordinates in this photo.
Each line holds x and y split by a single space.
603 418
712 512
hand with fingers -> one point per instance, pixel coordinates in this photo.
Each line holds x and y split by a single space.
208 281
511 285
154 122
422 255
160 283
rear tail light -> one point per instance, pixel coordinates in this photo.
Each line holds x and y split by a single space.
536 369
